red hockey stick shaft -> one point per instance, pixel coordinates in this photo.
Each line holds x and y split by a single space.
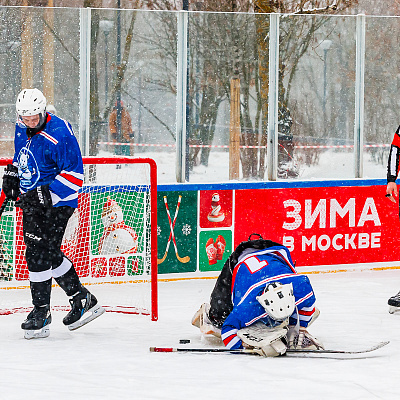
209 350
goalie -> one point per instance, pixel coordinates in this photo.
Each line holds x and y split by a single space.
259 301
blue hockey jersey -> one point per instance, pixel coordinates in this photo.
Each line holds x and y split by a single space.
50 157
252 273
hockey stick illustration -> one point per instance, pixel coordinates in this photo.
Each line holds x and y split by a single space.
161 260
185 259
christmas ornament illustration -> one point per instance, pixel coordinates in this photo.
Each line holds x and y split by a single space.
117 238
215 215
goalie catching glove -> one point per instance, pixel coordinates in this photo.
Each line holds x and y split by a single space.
36 200
266 341
300 339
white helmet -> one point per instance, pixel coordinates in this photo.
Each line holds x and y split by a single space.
31 102
278 300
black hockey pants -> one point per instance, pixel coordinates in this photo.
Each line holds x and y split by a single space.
43 234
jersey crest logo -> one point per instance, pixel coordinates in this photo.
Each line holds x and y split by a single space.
28 170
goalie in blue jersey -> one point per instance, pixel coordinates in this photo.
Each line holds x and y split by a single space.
260 301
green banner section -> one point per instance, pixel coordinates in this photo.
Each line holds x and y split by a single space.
177 231
215 246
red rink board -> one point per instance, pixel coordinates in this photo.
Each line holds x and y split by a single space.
322 225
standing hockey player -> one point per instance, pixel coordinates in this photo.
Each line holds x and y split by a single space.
392 194
260 301
45 177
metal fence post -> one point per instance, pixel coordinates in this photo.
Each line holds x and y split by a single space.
272 144
359 97
181 96
84 80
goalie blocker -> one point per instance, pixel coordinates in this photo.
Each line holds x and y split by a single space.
260 302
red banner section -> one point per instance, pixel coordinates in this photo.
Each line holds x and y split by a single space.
322 225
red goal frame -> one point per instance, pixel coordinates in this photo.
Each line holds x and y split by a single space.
153 213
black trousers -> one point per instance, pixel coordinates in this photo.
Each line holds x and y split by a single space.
43 234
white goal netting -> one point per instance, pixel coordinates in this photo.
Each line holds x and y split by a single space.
109 238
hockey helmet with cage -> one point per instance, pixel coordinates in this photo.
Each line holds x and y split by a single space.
278 300
31 102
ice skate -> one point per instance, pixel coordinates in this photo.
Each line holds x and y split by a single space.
84 309
202 321
37 323
394 303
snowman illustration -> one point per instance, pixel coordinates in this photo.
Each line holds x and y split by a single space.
117 238
71 235
215 215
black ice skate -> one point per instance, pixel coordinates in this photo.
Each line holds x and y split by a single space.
37 323
84 309
394 303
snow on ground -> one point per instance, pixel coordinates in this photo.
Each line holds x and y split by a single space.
110 359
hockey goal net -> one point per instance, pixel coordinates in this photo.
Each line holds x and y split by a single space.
111 238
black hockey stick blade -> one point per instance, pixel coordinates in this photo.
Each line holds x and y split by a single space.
328 351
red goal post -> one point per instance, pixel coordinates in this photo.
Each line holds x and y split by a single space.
111 238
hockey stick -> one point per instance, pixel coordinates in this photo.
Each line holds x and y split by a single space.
209 350
161 260
185 259
254 352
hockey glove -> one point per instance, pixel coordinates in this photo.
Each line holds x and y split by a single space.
36 200
302 340
11 182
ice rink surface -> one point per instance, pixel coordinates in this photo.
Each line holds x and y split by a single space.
110 359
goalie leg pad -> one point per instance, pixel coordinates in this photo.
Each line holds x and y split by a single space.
202 321
315 316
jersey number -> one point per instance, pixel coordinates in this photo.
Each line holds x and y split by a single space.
254 264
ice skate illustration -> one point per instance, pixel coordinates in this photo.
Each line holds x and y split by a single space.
215 215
